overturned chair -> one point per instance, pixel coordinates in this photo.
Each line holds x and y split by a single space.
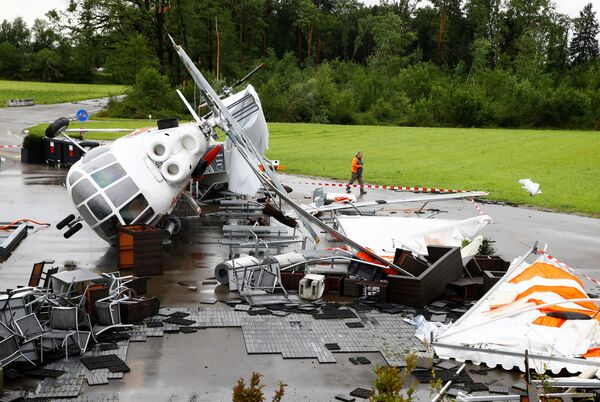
64 327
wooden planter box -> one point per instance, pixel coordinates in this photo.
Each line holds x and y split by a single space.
490 278
32 155
136 311
491 263
291 280
140 250
445 266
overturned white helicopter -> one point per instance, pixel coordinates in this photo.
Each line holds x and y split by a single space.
139 178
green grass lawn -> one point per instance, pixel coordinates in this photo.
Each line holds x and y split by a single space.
48 92
565 163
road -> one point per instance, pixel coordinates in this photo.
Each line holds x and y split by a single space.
14 120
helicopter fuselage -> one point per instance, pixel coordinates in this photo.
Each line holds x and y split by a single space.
136 179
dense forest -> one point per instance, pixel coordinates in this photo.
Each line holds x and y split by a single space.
486 63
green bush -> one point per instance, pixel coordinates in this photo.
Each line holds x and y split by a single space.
150 95
390 382
33 142
254 392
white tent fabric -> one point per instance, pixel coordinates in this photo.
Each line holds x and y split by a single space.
383 234
510 319
246 109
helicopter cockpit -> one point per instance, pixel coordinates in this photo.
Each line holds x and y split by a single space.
104 195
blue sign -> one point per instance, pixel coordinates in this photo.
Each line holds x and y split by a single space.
82 115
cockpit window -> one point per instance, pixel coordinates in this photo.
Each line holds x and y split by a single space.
108 228
82 191
99 207
94 152
99 163
122 191
135 207
74 176
146 216
86 215
108 175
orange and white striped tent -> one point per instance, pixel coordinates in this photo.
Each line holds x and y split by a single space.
539 307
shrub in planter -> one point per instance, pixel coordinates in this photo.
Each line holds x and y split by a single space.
33 142
33 149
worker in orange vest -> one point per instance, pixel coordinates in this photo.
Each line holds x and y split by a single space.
357 171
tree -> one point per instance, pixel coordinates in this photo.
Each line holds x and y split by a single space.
485 18
15 33
11 61
584 45
44 37
558 45
129 58
45 65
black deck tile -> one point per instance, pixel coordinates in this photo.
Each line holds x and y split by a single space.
344 398
112 362
179 314
362 393
363 360
179 321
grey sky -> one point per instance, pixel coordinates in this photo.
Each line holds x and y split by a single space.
32 9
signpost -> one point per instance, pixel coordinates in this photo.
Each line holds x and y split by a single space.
81 115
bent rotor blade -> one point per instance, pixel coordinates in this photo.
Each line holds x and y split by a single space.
247 76
234 131
189 107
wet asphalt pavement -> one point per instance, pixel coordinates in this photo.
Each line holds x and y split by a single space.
204 366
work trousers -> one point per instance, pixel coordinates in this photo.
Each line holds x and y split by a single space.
356 176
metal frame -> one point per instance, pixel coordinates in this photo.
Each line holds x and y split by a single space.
15 355
37 335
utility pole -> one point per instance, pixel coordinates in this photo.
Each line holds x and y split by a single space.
218 47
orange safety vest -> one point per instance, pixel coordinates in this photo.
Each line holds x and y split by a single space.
356 165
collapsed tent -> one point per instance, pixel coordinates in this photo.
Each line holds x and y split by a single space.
539 307
384 234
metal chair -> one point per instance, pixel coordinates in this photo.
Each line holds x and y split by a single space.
30 329
37 273
109 316
64 325
107 309
5 330
10 351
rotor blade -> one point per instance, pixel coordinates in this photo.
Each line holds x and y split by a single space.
98 130
189 107
423 198
250 74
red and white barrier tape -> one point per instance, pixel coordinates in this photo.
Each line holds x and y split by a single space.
562 264
477 207
378 187
10 146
